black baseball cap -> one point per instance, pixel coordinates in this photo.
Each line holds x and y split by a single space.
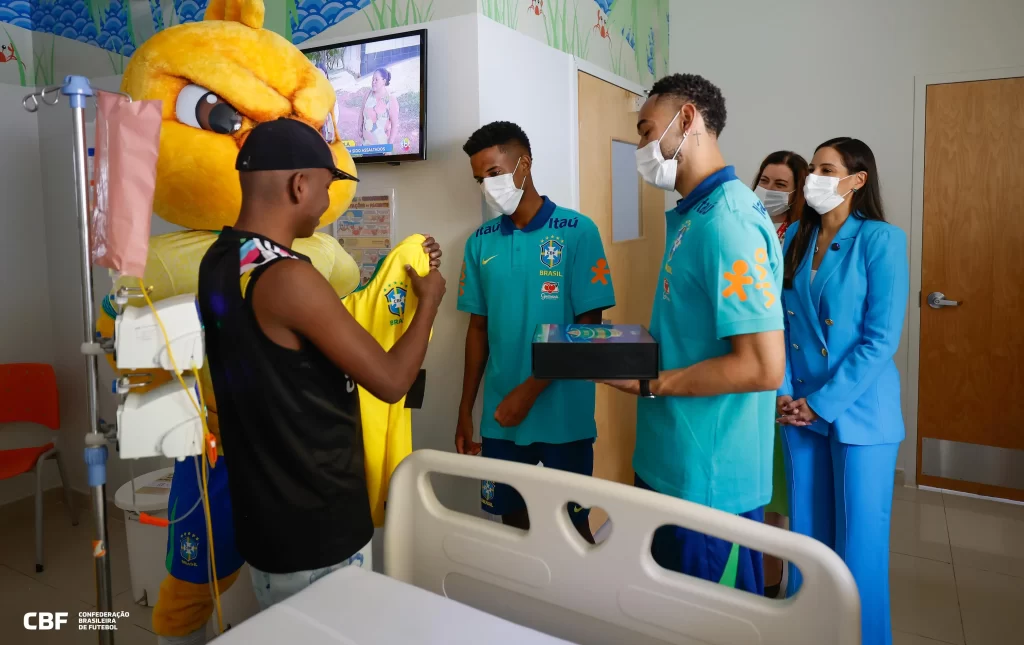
287 144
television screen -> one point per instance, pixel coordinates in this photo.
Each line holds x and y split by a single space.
380 115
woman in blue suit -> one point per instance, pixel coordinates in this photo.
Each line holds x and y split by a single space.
845 293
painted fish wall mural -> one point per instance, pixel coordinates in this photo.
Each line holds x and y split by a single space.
627 37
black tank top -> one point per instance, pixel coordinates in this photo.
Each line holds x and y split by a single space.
289 420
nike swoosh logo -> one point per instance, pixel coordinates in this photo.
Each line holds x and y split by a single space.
577 509
484 263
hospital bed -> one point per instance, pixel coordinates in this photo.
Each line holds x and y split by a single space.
496 584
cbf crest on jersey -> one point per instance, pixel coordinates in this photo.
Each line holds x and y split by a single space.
188 548
395 294
551 252
487 492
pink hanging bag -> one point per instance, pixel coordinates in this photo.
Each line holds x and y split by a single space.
127 147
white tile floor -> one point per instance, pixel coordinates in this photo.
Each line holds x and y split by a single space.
68 582
957 572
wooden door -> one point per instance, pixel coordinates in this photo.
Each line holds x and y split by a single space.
971 405
607 115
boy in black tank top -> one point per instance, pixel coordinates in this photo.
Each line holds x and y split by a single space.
285 357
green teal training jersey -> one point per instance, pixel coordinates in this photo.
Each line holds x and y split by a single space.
551 271
721 277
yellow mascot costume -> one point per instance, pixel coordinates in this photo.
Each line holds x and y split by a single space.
217 80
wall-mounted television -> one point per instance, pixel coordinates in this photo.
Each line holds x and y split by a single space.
381 85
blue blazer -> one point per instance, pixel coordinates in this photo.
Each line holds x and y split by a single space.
843 329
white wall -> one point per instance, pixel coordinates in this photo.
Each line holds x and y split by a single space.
799 72
23 289
534 87
25 328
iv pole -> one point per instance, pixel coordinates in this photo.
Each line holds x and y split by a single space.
78 90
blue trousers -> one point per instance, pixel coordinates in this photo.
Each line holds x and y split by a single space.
841 495
705 556
574 457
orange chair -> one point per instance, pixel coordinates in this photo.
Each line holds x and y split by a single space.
28 394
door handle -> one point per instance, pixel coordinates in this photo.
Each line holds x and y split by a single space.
937 300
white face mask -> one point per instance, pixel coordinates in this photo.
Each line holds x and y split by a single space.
822 193
501 193
775 201
652 164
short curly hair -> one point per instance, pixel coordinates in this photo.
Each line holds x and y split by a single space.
498 133
691 88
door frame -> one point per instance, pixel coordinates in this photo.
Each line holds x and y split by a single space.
921 84
585 66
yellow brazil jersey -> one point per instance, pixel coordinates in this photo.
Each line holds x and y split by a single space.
172 269
384 306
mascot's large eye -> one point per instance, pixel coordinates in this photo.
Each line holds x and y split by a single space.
330 129
202 109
